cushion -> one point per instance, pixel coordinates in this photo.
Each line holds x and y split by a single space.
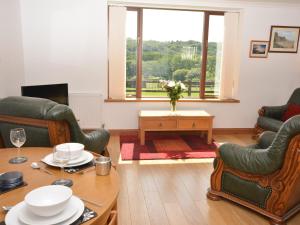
291 111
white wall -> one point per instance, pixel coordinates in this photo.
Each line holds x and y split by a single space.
262 81
66 41
11 55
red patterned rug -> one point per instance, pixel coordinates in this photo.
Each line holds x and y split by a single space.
165 145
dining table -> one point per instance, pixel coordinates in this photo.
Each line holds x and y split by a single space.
99 193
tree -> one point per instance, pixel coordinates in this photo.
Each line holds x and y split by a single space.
180 74
194 74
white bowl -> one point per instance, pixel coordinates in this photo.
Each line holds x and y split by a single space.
76 149
48 200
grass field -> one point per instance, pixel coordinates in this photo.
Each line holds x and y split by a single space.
155 93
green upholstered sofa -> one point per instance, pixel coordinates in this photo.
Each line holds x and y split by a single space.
270 117
46 123
264 177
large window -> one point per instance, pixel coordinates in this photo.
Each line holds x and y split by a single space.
173 45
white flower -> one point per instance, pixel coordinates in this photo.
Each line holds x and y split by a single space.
171 83
182 86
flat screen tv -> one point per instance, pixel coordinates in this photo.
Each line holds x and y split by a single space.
54 92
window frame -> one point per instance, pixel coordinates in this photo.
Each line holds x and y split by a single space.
139 75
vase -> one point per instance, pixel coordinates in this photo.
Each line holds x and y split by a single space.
173 106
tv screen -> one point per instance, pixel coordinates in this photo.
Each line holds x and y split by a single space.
54 92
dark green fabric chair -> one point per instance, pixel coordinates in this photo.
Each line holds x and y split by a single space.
265 176
270 116
19 112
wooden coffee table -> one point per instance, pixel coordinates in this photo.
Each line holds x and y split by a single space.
187 120
99 189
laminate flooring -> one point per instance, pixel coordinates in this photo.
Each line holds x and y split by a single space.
173 192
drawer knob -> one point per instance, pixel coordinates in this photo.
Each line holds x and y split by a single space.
160 124
193 125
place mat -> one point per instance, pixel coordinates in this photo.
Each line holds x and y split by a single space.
87 215
2 191
76 169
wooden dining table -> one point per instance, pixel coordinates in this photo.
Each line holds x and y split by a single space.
102 190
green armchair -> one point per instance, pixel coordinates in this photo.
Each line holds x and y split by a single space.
270 117
46 124
264 177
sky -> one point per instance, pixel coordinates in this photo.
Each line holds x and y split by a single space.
173 25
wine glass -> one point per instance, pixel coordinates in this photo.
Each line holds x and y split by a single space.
61 158
18 138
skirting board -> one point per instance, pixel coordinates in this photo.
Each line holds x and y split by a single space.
215 131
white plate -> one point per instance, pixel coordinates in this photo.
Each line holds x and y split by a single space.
49 160
27 217
81 158
11 217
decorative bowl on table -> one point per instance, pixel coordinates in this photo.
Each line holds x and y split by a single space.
75 149
48 200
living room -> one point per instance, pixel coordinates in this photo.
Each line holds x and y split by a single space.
63 41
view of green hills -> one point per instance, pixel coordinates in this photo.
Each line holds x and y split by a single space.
174 60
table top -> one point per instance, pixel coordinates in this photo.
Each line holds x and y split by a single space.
100 189
179 113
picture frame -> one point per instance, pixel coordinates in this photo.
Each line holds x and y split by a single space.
284 39
259 49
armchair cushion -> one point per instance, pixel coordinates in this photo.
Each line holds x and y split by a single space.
265 139
292 110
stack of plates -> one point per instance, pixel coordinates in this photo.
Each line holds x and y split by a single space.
20 215
23 213
83 159
10 180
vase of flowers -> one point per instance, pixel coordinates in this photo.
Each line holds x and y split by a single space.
174 91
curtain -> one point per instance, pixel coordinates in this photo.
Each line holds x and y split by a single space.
117 52
231 57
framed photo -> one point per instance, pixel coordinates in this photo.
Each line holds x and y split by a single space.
284 39
259 49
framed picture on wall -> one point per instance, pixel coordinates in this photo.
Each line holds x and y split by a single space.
284 39
259 49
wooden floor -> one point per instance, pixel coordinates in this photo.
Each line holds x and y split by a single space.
173 192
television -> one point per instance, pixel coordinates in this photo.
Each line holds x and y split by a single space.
55 92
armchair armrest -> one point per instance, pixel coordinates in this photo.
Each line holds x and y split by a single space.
275 112
246 159
96 140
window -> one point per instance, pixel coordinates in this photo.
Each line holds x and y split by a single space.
169 44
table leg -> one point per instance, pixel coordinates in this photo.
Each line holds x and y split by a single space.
142 137
209 136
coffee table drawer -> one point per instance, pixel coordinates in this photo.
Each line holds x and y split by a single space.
158 124
193 124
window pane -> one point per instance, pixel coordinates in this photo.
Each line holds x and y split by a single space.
131 53
171 50
214 55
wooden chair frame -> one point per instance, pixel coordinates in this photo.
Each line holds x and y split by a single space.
283 202
59 131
